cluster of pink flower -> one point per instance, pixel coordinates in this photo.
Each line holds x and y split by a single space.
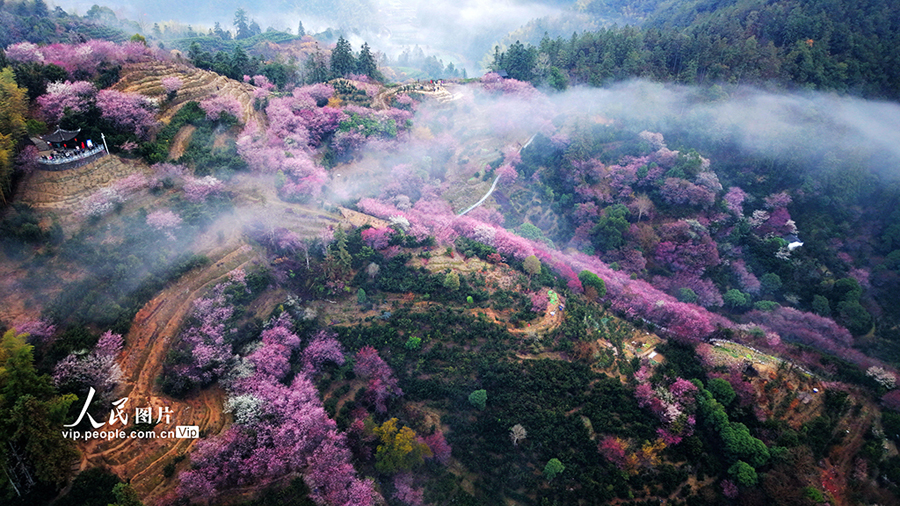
291 433
104 200
746 394
377 238
749 283
65 96
406 491
734 200
296 126
631 297
84 58
97 369
679 191
165 221
199 189
126 110
323 348
673 406
494 83
171 84
539 301
382 383
37 330
217 105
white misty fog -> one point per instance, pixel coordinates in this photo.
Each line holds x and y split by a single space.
462 32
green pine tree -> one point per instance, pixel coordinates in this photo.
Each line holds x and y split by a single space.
342 60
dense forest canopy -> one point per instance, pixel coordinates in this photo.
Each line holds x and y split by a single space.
842 46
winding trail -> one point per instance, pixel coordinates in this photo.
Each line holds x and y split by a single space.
156 327
494 185
486 195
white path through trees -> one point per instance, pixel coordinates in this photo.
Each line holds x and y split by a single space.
494 185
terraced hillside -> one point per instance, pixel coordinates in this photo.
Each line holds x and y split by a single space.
61 192
145 78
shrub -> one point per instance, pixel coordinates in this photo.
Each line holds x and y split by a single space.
478 398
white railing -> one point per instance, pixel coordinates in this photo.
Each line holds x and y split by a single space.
65 162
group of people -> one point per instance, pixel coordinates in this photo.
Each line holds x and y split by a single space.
65 152
434 85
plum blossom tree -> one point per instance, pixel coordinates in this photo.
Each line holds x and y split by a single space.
517 433
382 383
205 339
406 491
171 84
539 301
199 189
323 348
217 105
507 174
101 202
440 449
70 96
37 330
284 429
296 126
83 59
127 110
686 246
25 52
163 220
678 191
97 369
673 406
776 200
884 378
615 450
746 279
734 200
377 238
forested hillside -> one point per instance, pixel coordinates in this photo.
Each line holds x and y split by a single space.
833 45
618 275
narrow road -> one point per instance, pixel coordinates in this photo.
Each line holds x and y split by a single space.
486 195
494 185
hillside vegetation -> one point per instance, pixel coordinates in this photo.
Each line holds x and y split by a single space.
656 303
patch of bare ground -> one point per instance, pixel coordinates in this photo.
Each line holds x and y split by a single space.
15 306
62 193
180 141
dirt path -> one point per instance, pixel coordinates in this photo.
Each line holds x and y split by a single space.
180 142
155 327
157 324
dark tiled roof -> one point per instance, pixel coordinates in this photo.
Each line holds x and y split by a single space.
61 135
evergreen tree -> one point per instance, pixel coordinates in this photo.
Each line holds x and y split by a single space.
315 69
366 63
254 29
218 31
240 63
519 61
342 60
40 9
300 30
32 413
241 24
13 111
